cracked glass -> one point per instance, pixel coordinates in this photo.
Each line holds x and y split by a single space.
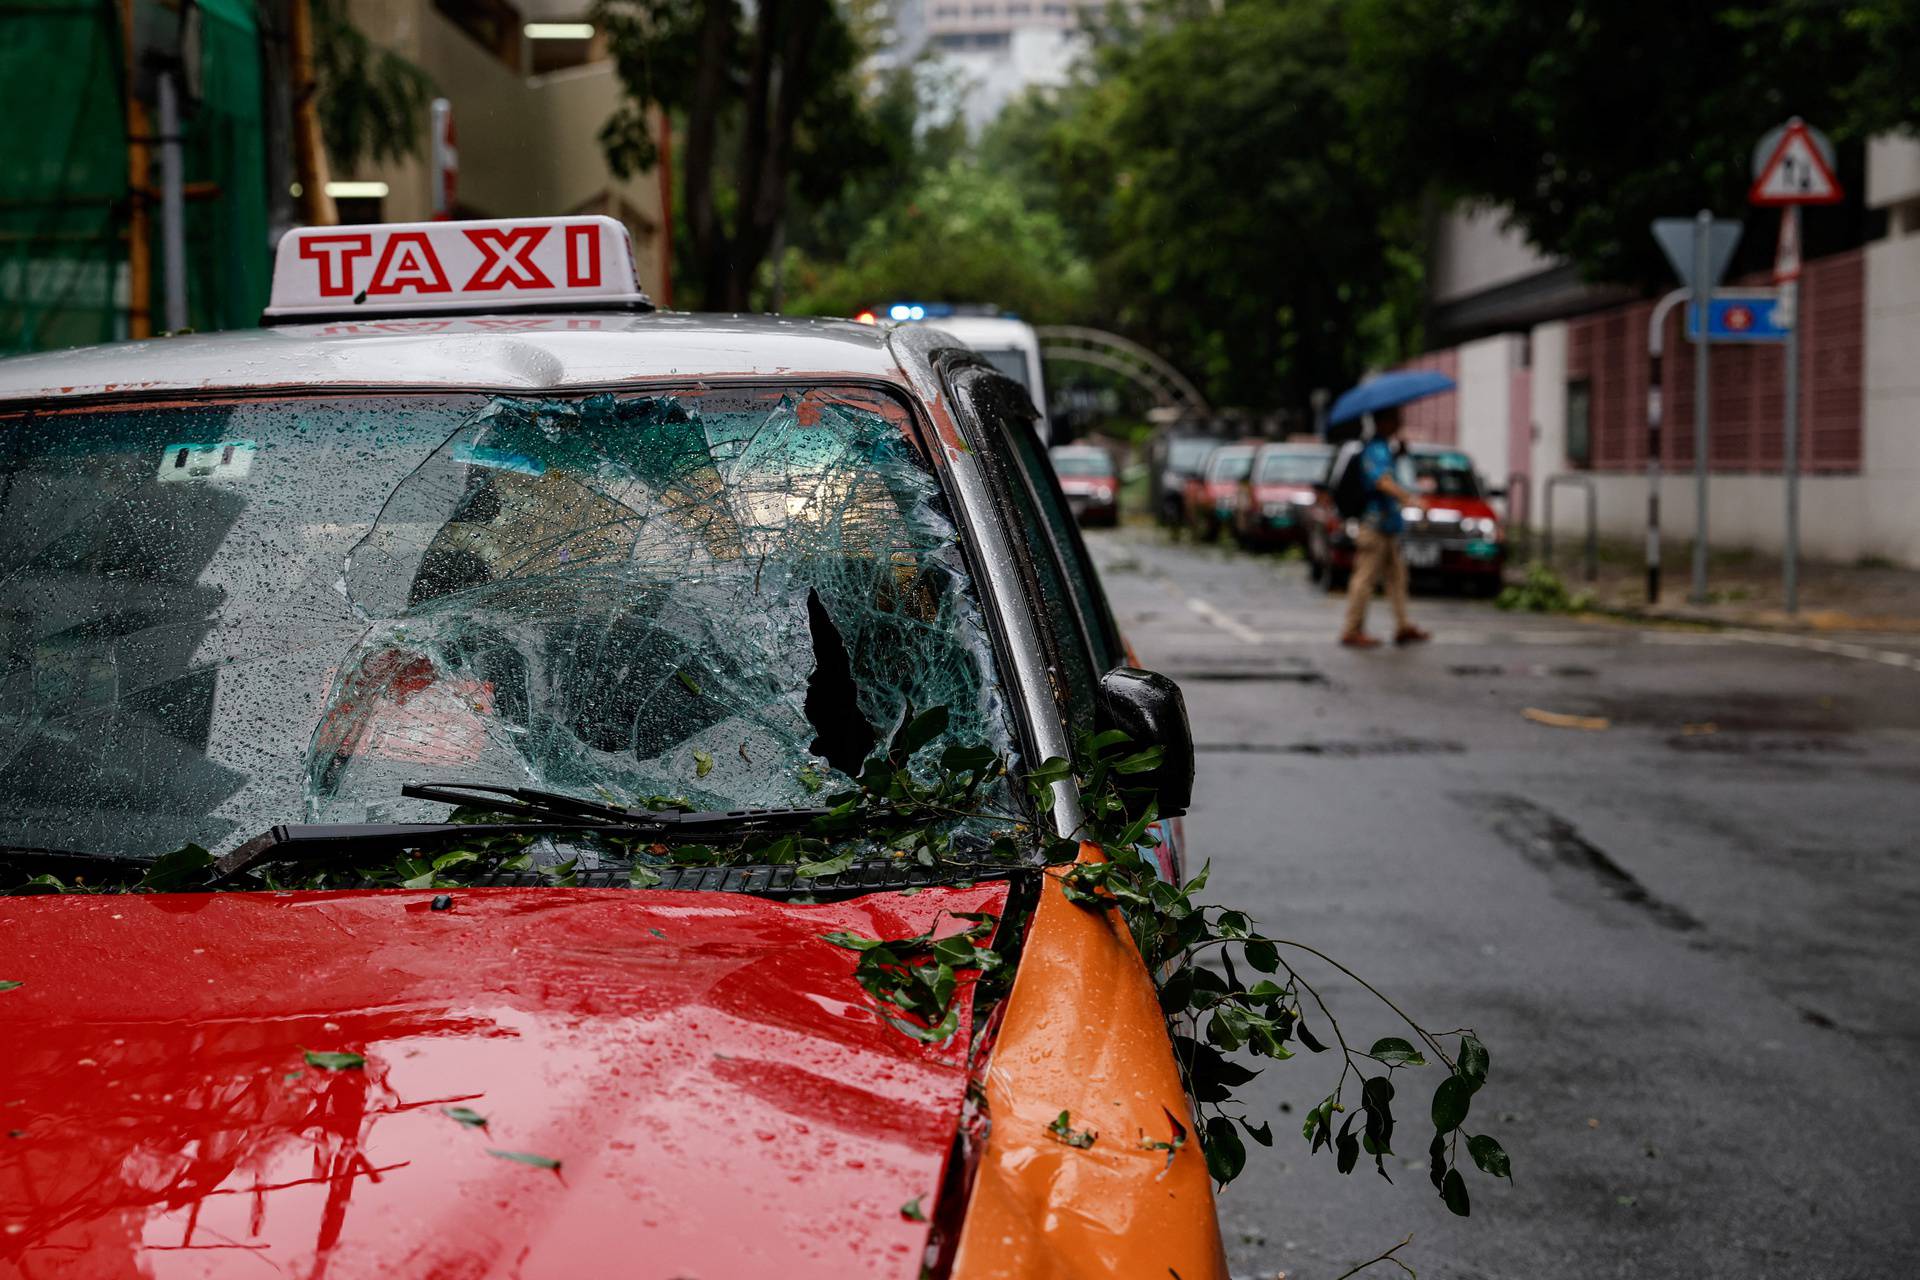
218 616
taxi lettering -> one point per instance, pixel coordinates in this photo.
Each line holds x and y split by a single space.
483 265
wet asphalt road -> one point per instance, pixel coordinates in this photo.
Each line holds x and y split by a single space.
1693 952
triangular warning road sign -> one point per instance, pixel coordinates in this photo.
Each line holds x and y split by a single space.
1796 172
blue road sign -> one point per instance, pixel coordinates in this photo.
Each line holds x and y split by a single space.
1754 316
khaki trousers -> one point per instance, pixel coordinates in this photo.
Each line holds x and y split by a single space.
1376 562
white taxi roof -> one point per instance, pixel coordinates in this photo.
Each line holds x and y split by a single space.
519 352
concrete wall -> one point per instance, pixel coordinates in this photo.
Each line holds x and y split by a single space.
1473 250
528 145
1891 467
1486 367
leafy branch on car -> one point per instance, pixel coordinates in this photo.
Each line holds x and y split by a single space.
1213 1012
948 813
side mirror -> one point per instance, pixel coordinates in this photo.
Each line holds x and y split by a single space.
1149 709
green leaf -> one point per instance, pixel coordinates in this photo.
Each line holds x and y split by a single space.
1226 1154
1346 1148
1437 1161
1453 1189
328 1060
693 686
911 1211
810 779
702 763
1261 954
1474 1061
852 941
825 866
1261 1133
1450 1103
465 1115
642 876
183 868
1394 1051
11 984
525 1157
919 731
1489 1157
1306 1036
1050 771
1141 761
1062 1129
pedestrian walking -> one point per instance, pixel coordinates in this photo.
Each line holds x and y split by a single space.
1377 559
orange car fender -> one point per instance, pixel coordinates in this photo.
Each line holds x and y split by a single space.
1083 1033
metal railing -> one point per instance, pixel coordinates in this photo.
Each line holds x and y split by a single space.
1593 520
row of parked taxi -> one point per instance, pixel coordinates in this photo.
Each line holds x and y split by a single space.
1271 495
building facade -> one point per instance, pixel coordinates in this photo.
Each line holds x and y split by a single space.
1553 381
531 86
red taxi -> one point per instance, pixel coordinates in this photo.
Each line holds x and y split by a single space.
1212 494
1457 541
1276 498
1090 481
469 527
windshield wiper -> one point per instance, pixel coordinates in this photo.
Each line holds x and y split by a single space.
548 813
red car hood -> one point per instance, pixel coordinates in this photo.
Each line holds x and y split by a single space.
721 1099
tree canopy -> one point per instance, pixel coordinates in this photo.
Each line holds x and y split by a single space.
1586 119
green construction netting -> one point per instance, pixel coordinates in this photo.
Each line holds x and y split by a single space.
64 206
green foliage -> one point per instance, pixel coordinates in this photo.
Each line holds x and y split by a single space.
1542 591
772 109
1212 171
371 102
939 813
961 233
526 1157
1588 118
1214 1012
330 1061
1061 1129
916 977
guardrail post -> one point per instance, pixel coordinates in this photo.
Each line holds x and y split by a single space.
1593 520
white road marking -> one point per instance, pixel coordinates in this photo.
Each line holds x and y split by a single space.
1840 648
1232 626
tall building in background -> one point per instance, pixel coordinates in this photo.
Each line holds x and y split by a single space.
999 47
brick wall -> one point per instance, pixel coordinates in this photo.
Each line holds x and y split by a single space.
1609 349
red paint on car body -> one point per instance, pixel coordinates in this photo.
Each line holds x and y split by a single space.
722 1099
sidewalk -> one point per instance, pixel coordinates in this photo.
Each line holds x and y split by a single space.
1744 590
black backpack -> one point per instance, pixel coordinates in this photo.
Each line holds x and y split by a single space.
1349 486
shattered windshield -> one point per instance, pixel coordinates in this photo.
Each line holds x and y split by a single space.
1230 464
222 616
1292 466
1446 475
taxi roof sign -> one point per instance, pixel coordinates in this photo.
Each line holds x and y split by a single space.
420 268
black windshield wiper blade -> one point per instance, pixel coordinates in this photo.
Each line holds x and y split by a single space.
529 802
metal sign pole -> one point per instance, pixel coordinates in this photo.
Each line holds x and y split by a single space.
1790 559
1656 349
1703 224
173 219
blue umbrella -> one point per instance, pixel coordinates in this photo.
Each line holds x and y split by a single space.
1386 391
